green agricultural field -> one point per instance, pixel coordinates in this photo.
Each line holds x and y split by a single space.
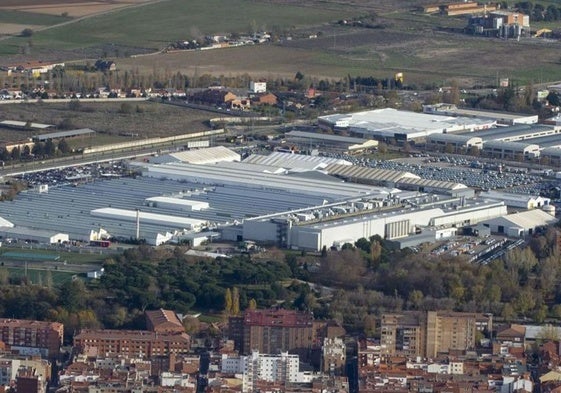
31 18
429 49
156 25
432 57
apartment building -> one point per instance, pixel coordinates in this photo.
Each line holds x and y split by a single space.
30 337
426 334
403 334
280 369
334 356
273 331
131 343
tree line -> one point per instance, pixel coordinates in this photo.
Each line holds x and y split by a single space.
36 150
538 12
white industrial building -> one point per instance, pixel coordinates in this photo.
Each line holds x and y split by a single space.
298 162
221 175
330 141
458 142
515 133
334 224
511 150
547 141
401 125
177 200
522 201
499 117
429 235
209 155
520 224
33 235
177 203
289 200
152 218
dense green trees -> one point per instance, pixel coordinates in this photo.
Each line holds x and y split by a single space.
523 284
538 12
353 285
142 282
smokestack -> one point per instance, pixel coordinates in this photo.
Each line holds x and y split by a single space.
137 224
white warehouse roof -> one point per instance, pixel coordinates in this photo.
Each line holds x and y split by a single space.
64 134
130 215
389 123
527 220
294 161
5 223
212 174
34 234
515 146
178 203
525 201
208 155
500 117
365 173
326 137
23 124
456 138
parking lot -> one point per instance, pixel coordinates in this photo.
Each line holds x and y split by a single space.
75 174
472 173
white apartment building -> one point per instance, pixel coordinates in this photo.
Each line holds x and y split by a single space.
263 367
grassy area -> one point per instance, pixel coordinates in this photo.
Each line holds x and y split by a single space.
96 140
540 73
176 20
40 276
31 18
553 25
70 257
151 120
428 21
206 318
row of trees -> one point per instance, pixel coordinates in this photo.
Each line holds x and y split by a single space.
538 12
37 150
68 80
